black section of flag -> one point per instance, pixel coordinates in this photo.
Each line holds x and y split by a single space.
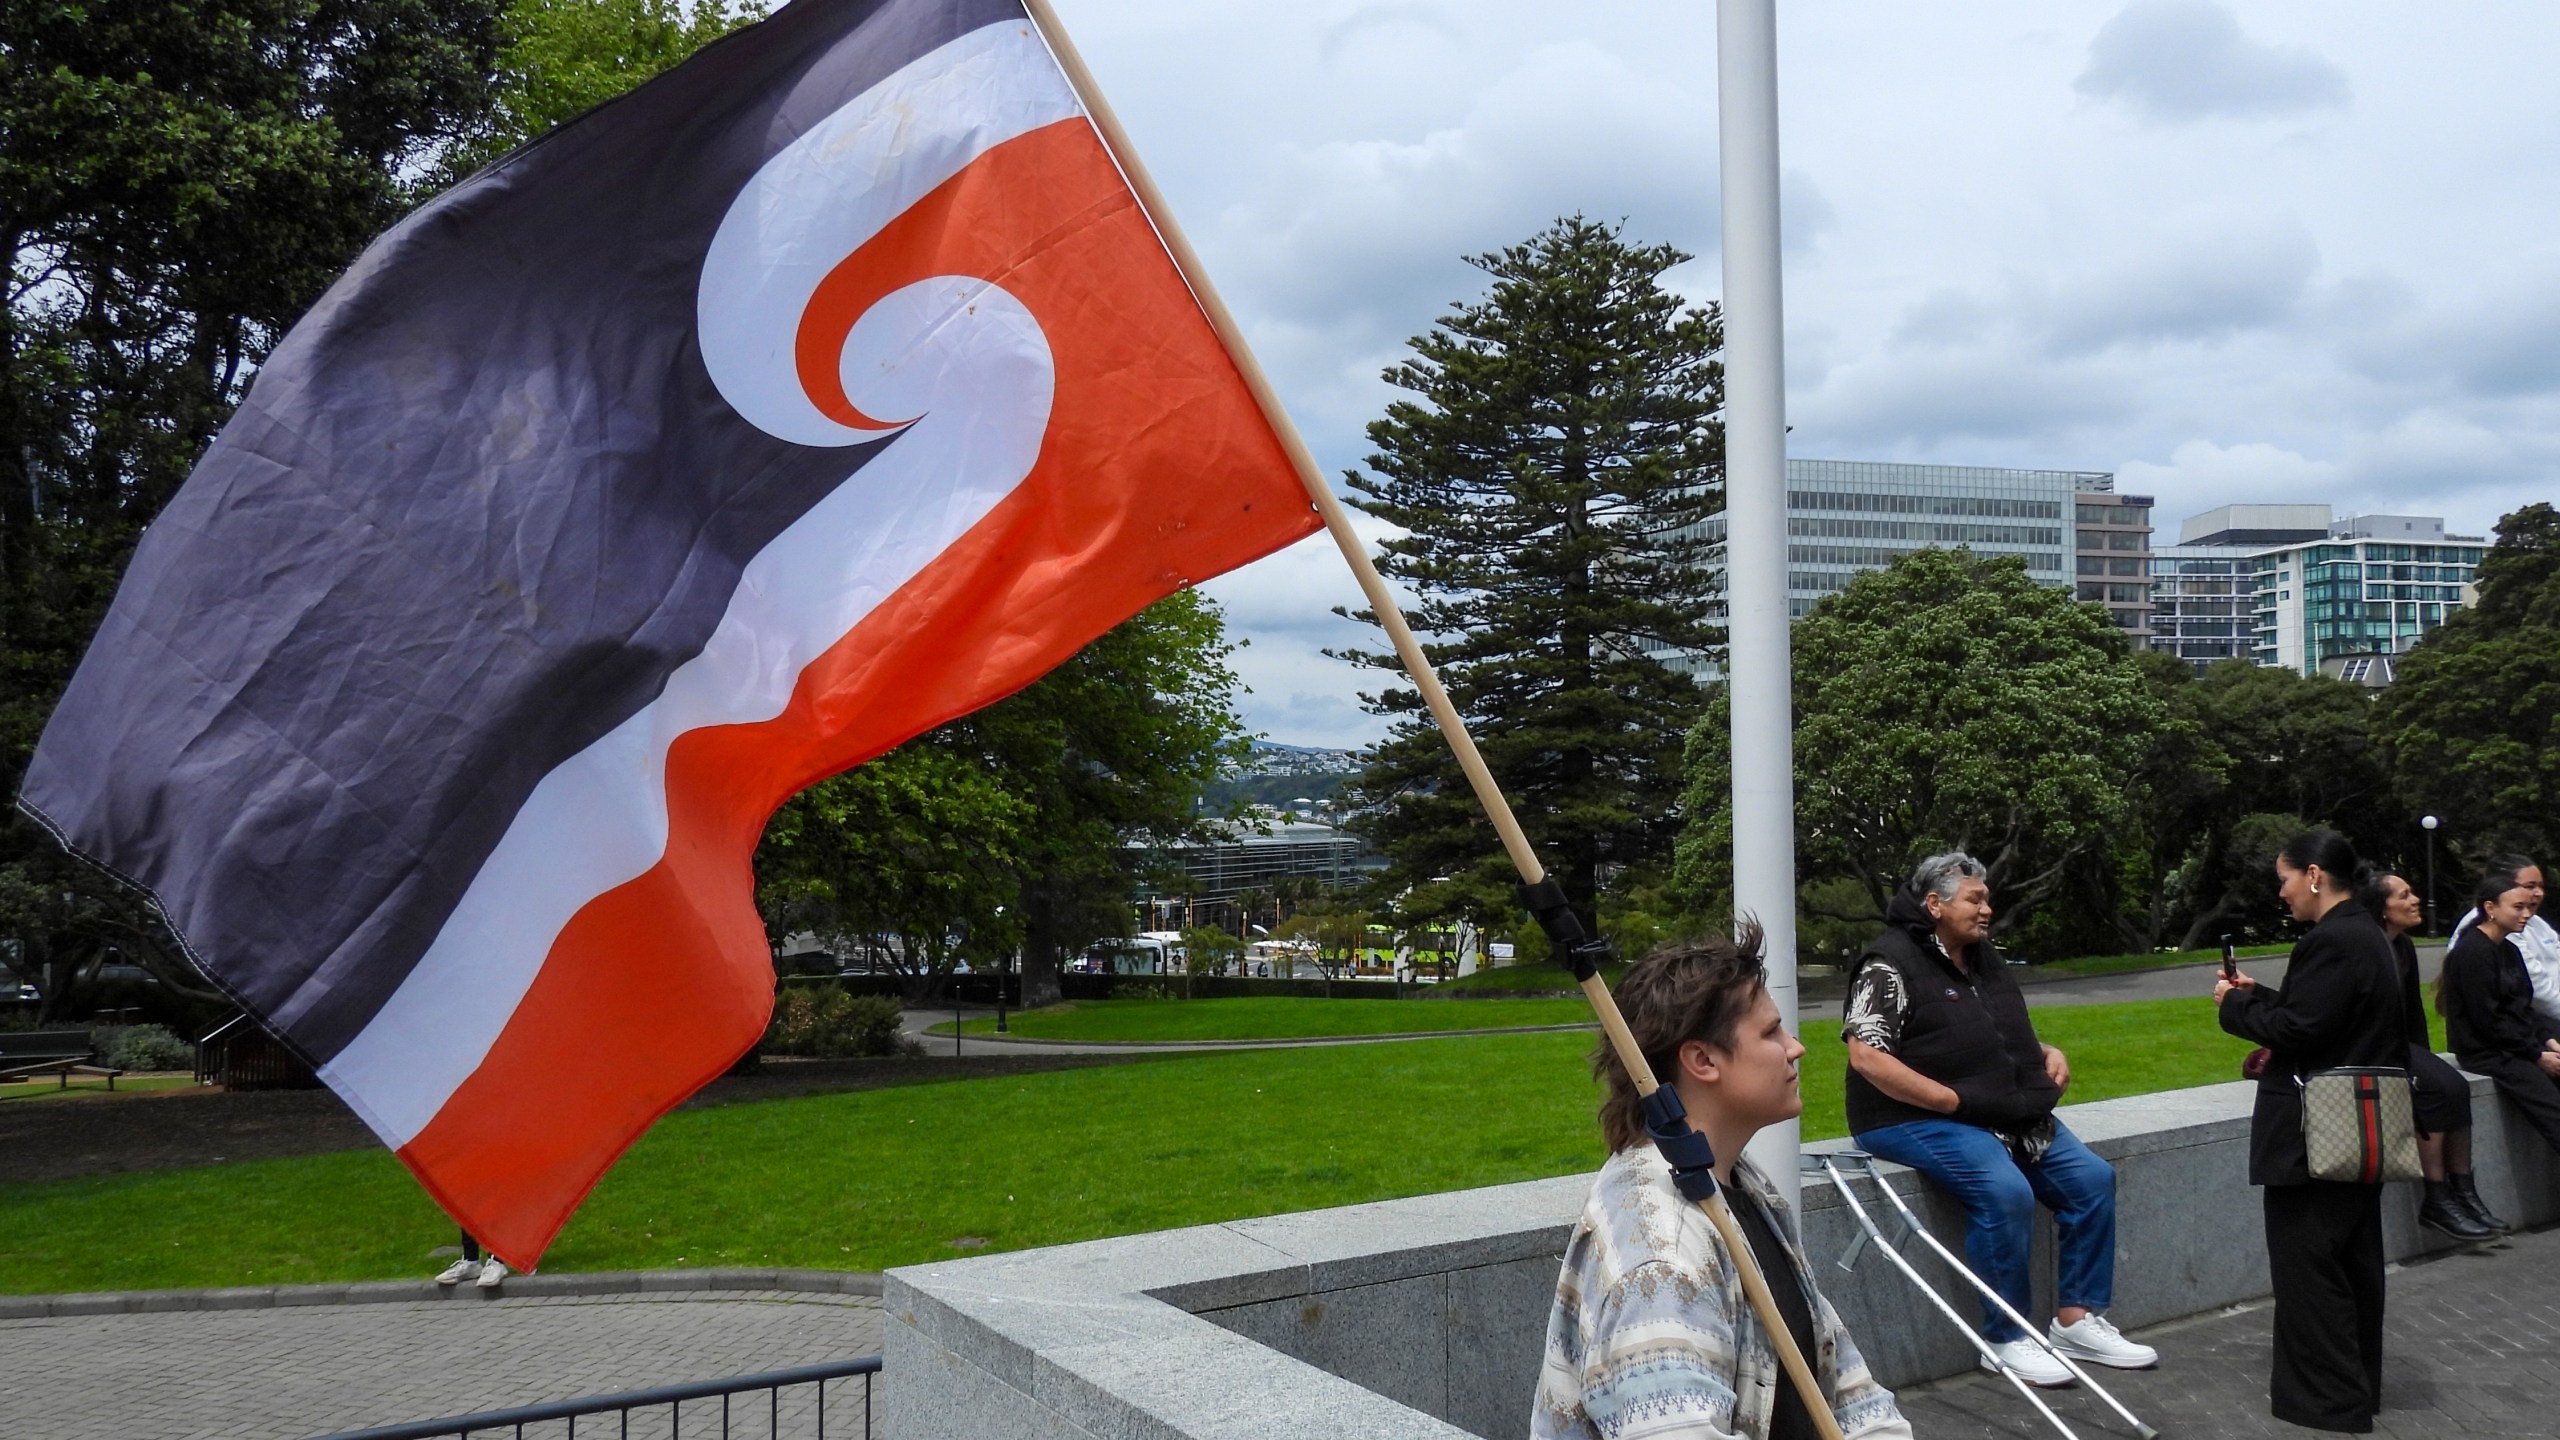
479 504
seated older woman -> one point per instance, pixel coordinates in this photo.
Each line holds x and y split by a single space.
1946 1075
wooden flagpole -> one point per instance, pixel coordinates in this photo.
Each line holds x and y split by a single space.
1382 602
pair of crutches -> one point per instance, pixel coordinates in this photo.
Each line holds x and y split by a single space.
1861 1163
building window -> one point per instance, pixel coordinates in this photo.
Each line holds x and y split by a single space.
2125 540
2093 565
2124 567
2092 592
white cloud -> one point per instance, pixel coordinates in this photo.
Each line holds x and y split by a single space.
2068 233
2175 61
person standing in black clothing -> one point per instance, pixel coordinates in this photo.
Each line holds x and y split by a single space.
2487 1001
2340 1005
2453 1206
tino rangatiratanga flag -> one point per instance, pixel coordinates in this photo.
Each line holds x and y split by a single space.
828 387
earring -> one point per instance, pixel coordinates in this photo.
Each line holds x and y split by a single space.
2315 887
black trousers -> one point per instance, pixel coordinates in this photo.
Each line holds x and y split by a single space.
2522 1081
2324 1245
2443 1095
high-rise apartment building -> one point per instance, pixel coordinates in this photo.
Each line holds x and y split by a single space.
2288 585
2201 602
2370 587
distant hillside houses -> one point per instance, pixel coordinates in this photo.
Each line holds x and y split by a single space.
1272 758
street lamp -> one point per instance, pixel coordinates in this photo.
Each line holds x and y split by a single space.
2428 823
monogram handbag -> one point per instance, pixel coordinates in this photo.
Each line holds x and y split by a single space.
2359 1123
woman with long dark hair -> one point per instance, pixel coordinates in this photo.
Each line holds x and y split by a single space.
2340 1005
2453 1206
2487 1001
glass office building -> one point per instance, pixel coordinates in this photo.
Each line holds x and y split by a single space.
1846 517
1849 516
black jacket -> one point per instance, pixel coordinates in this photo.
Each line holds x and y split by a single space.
1967 1029
2413 1010
2487 999
2340 1005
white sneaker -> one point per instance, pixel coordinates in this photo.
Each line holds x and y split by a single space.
2094 1339
492 1274
2027 1360
458 1271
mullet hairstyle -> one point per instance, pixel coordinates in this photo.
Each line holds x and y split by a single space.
1684 991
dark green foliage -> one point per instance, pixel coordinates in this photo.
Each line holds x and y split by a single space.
177 183
1550 475
565 57
144 1047
1023 826
823 1022
2472 726
2295 750
1948 702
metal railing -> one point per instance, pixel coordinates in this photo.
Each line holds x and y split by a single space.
751 1407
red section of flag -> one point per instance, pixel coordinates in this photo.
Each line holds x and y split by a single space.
1157 470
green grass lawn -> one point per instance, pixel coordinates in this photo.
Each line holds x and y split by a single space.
887 1177
1532 979
1269 1018
83 1086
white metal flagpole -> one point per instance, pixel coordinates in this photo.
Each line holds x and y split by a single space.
1757 664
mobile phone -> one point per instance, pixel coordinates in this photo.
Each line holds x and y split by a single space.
2230 959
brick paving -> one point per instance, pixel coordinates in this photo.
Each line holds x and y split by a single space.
2472 1349
281 1374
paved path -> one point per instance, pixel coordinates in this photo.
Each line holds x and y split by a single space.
279 1374
2470 1342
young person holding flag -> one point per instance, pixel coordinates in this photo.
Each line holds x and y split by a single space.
1650 1334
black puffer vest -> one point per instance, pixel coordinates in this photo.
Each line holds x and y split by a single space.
1969 1033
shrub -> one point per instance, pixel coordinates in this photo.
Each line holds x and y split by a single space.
824 1022
145 1047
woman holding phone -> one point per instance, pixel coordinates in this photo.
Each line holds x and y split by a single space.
2453 1206
2340 1005
2486 997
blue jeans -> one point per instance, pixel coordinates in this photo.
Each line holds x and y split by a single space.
1999 1197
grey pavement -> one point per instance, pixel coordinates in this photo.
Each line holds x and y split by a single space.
281 1374
2470 1338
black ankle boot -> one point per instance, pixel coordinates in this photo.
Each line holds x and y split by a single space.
2466 1191
2449 1217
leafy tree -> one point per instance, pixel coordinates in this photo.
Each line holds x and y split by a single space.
1251 905
1947 701
177 183
2472 724
1208 950
563 58
2296 746
911 858
1111 751
1551 475
1058 794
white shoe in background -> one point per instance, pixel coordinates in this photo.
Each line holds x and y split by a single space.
492 1274
458 1271
2092 1338
2027 1360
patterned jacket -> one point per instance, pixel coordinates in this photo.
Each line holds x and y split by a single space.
1651 1335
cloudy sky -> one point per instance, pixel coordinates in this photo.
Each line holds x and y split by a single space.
2297 250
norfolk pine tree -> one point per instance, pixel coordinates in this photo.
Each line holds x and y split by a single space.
1551 472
